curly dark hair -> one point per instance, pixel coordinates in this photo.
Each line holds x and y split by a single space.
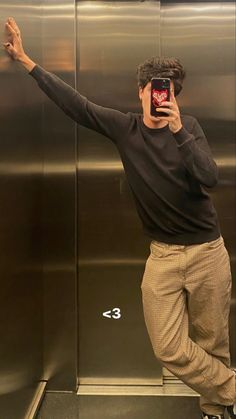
161 67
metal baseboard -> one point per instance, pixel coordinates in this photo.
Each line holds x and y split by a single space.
36 401
175 389
169 378
171 386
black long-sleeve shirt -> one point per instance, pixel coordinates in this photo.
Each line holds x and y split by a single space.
166 172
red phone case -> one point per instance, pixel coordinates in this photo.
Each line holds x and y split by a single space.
160 92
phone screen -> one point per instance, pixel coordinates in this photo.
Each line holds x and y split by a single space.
160 92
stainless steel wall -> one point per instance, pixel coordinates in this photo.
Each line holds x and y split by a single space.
112 38
38 212
59 204
21 299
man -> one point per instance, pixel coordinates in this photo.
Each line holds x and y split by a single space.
168 164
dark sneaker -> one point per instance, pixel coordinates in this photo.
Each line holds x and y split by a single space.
231 411
207 416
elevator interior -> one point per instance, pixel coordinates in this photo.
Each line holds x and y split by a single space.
72 246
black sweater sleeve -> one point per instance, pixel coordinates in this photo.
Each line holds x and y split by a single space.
107 121
196 155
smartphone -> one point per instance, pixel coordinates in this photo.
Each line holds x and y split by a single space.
160 92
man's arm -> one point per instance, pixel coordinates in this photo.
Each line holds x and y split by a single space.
109 122
192 144
196 155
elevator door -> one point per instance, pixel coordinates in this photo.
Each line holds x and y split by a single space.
114 348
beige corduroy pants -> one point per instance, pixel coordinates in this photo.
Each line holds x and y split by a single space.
192 282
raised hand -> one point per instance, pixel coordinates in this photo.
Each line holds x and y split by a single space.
173 112
14 46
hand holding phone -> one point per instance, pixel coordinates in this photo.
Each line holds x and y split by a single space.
163 97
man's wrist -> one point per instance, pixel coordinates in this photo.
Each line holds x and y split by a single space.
177 129
26 62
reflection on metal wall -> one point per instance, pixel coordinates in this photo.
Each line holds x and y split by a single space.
202 35
113 38
20 219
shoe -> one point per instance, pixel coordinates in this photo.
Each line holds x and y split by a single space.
206 416
231 411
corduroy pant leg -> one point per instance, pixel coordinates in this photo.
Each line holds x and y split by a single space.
209 283
169 274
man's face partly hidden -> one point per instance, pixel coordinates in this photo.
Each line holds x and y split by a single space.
145 97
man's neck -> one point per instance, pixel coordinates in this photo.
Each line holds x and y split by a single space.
154 124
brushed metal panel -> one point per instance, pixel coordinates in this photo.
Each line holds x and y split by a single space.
59 203
21 299
202 35
112 39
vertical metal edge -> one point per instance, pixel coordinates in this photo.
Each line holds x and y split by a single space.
159 30
76 202
37 400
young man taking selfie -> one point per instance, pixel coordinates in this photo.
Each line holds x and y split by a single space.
169 165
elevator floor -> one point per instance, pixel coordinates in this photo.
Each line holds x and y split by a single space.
73 406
